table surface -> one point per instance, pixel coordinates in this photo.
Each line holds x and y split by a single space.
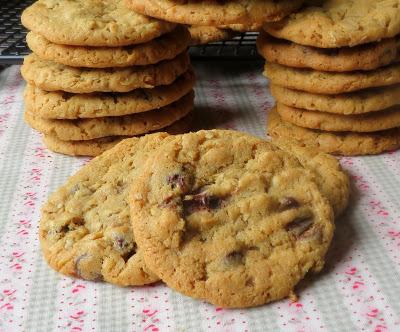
358 290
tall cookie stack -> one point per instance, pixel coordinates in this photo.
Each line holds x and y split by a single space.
335 75
211 20
100 72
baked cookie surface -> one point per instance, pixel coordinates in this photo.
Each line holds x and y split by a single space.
339 23
333 182
166 47
62 105
215 13
203 34
127 125
331 83
363 57
85 228
97 146
52 76
229 218
339 143
374 121
91 23
358 102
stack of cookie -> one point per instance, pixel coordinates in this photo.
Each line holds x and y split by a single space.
211 20
217 215
335 75
100 72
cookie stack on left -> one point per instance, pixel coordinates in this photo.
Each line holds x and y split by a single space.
100 72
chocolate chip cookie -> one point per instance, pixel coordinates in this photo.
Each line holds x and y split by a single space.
230 218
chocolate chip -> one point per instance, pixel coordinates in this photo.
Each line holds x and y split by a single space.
66 96
288 203
120 242
299 226
169 202
90 275
234 258
202 201
120 187
129 255
176 180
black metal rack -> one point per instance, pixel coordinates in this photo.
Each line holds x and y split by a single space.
12 34
13 47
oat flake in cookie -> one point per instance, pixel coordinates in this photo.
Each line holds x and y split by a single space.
229 218
85 230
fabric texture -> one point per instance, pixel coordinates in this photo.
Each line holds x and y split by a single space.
357 290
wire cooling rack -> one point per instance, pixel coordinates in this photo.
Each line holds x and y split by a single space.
12 34
13 47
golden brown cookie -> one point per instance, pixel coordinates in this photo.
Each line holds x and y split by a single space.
166 47
52 76
331 83
339 23
203 34
339 143
358 102
215 13
85 228
363 57
127 125
91 23
97 146
229 218
333 182
369 122
63 105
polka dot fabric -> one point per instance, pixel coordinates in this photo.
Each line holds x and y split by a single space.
357 291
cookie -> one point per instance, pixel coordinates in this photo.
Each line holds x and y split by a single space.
340 23
255 27
63 105
91 23
229 218
339 143
369 122
128 125
165 47
203 35
92 148
333 182
358 102
363 57
51 76
331 83
97 146
85 228
215 13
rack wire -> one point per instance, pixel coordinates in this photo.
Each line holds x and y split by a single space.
13 47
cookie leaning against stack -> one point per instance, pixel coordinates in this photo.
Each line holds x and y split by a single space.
337 88
212 20
209 182
120 74
229 218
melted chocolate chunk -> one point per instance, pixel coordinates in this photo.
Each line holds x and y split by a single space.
177 180
234 258
200 201
288 203
92 275
169 202
129 255
299 226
